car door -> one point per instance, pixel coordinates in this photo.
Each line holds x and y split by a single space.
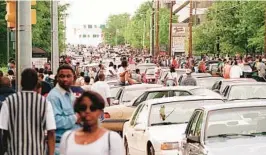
195 148
190 127
141 136
131 140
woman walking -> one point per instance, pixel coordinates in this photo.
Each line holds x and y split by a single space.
91 139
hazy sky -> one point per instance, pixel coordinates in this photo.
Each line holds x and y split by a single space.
97 11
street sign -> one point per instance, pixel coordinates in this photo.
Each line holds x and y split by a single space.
179 36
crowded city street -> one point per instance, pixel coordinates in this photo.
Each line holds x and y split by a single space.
163 78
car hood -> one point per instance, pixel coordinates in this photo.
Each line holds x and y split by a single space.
241 146
167 133
119 111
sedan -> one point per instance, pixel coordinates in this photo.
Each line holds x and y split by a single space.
245 91
227 129
156 126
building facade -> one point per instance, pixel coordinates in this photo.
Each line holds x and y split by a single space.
87 34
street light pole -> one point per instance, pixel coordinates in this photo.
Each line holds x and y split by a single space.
55 47
190 29
144 34
170 28
157 28
7 44
152 29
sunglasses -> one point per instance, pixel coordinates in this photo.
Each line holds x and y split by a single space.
84 107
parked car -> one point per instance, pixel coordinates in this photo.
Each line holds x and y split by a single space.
219 85
115 116
157 125
195 75
245 91
143 66
149 76
226 129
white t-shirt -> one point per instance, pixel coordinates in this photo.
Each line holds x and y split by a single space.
171 75
99 147
50 120
103 89
111 69
235 72
86 87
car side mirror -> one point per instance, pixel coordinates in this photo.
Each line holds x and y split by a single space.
139 127
193 139
116 102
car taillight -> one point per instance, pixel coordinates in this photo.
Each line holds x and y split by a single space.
107 115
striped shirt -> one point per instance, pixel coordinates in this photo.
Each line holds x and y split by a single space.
26 115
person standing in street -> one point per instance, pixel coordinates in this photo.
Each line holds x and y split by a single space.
235 71
91 139
62 100
103 89
261 71
5 88
26 116
188 80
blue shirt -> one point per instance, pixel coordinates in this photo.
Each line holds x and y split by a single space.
62 103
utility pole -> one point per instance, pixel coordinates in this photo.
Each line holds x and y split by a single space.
157 28
144 34
23 39
152 29
55 47
190 29
7 43
170 28
265 30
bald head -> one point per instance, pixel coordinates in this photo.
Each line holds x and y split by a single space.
5 82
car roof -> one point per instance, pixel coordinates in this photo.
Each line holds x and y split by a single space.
240 79
233 105
180 99
246 83
147 64
141 86
173 88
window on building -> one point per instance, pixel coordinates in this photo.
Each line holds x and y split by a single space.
89 36
80 36
102 26
89 26
95 26
84 35
84 26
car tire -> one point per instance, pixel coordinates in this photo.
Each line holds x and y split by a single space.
126 147
151 150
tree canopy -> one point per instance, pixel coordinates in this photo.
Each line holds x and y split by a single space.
239 26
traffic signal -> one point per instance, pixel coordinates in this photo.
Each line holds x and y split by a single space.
11 13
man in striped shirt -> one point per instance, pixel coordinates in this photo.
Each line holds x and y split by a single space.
26 116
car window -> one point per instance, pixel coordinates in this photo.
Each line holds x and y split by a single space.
193 124
118 94
199 125
225 90
135 114
140 99
181 93
154 95
142 116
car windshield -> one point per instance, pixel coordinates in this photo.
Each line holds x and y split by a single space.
176 112
114 91
206 82
129 95
243 92
226 83
235 122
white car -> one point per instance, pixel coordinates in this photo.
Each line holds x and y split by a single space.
227 129
156 126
